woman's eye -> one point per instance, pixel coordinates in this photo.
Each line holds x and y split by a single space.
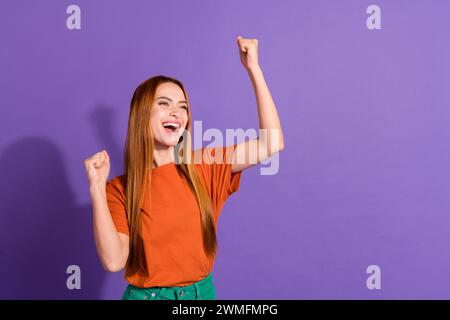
166 104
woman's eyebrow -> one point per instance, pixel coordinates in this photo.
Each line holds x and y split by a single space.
182 101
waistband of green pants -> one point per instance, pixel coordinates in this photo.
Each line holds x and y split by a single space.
197 287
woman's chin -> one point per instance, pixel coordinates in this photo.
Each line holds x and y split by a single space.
168 142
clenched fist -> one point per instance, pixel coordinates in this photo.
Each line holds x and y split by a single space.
97 168
248 52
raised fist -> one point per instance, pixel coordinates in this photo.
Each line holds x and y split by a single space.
248 52
97 168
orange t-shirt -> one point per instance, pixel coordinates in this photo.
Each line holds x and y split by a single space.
171 227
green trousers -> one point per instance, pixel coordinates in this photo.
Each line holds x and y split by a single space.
200 290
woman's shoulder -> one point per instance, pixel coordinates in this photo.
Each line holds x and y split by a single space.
118 182
213 155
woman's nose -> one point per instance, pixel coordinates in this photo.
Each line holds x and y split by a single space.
175 112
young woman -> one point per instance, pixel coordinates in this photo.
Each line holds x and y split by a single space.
158 220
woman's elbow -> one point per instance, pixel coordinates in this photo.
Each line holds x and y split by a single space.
114 266
279 147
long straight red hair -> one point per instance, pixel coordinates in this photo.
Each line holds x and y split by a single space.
138 160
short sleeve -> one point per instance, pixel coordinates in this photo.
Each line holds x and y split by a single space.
116 204
218 167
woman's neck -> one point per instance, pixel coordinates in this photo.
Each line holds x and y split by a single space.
162 155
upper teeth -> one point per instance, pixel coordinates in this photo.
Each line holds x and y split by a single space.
173 124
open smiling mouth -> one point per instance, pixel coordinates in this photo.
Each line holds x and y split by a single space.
171 127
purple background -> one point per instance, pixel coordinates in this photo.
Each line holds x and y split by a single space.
363 180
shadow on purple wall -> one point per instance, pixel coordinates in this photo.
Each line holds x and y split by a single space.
102 118
43 231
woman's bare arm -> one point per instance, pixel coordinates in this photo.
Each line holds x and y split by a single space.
112 246
270 139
